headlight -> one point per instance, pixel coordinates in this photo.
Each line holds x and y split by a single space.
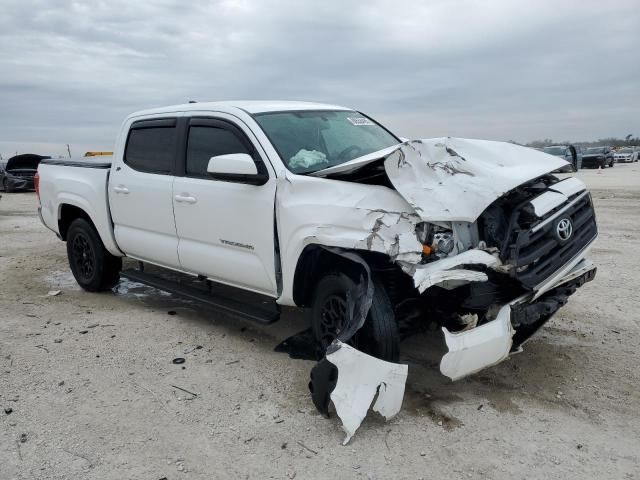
436 239
443 242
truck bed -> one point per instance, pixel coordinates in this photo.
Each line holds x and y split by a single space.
80 183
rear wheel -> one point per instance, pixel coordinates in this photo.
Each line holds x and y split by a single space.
93 267
379 334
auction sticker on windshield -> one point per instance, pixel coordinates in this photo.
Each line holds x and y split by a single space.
360 121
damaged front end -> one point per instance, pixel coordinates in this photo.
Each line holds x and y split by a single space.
490 247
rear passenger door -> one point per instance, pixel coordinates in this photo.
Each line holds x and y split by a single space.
225 228
140 192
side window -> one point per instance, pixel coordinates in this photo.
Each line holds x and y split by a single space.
151 146
205 142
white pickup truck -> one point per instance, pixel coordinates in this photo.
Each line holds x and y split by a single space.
301 204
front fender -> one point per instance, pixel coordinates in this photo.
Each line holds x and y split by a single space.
341 214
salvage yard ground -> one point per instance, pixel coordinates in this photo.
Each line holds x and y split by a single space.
88 389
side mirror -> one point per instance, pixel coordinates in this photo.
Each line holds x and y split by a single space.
236 167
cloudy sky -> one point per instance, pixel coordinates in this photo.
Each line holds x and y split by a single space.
70 71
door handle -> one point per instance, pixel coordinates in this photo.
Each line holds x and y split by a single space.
186 198
121 189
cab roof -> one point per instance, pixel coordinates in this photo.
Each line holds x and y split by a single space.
249 106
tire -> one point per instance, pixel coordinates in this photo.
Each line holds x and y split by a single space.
611 164
377 337
93 267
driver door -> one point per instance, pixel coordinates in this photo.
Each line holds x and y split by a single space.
225 228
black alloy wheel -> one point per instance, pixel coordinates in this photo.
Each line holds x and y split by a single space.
93 267
83 256
328 314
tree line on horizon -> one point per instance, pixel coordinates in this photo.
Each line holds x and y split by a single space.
602 142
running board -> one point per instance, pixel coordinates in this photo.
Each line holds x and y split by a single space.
253 310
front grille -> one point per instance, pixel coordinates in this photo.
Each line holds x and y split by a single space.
534 249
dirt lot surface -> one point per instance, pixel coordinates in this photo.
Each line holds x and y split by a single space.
92 392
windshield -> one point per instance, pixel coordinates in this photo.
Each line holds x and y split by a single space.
625 150
312 140
595 150
554 150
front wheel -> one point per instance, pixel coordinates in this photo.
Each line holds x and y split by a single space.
377 337
93 267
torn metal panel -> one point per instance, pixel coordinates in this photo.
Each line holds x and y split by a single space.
448 270
448 279
392 233
339 214
360 378
455 179
569 186
546 202
557 195
447 179
477 348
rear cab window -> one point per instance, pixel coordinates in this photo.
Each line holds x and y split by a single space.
151 146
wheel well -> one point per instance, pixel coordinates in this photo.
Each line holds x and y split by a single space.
316 261
68 213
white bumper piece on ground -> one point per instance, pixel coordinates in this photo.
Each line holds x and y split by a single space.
360 378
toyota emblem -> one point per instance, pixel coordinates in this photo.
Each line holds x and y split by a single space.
564 229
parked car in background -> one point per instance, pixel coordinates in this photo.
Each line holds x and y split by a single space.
598 157
570 153
18 172
626 155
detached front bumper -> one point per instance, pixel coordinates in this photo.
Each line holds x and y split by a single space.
489 344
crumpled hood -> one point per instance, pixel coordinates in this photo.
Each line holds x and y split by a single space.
27 161
456 179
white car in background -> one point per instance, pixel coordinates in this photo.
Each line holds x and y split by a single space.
626 155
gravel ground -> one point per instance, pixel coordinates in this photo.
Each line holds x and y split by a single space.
92 392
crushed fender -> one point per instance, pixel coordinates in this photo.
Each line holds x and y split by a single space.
447 272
